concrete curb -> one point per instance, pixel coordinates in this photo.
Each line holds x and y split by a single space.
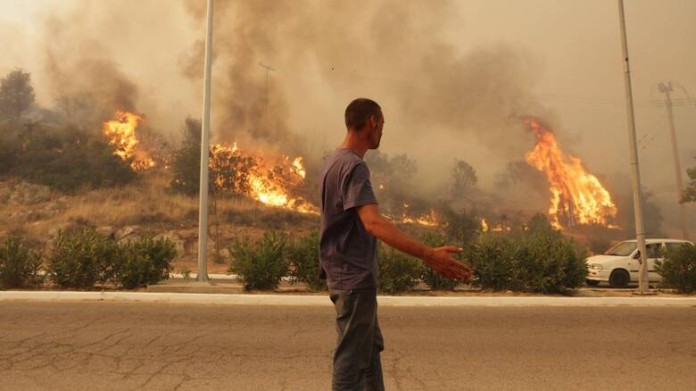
323 300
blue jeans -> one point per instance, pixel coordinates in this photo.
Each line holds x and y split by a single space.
356 362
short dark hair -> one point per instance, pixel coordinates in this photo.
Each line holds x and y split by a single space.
359 112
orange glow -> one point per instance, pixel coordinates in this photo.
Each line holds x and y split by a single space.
428 220
574 192
121 134
267 179
484 225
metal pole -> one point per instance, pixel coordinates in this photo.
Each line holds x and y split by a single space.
633 150
205 147
667 89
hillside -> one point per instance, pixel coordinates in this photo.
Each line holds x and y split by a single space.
143 207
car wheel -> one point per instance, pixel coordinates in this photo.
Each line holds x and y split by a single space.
619 279
592 282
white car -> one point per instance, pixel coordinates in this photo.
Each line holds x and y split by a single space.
620 264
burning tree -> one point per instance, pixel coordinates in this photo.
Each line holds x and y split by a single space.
121 134
266 176
574 191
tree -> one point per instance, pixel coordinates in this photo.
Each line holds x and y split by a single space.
392 179
690 191
187 160
16 95
463 178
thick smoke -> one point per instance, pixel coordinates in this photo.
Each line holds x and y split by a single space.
99 57
85 82
327 53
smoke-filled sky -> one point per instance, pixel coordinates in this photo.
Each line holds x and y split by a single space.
453 77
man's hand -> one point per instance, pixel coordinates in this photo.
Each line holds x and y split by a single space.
440 259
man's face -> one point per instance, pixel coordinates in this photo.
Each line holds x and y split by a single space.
376 126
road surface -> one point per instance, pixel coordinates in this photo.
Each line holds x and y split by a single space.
169 346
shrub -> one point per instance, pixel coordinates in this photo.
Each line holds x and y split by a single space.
678 270
143 262
434 280
19 263
493 260
260 265
462 227
551 264
71 161
398 272
537 260
81 258
303 255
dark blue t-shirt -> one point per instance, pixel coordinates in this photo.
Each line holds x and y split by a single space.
348 253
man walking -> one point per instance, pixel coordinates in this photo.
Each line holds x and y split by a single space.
351 223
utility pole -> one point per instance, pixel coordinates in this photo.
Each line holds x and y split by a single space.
268 69
205 151
633 150
666 88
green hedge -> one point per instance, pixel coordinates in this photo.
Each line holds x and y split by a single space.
434 280
82 258
19 263
398 272
678 270
144 262
261 265
303 255
539 261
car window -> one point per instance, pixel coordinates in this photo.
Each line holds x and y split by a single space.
653 250
673 246
622 249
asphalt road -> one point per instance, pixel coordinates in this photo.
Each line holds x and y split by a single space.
167 346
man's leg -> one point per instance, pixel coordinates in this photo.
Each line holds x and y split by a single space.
374 380
359 340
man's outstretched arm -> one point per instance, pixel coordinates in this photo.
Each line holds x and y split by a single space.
439 259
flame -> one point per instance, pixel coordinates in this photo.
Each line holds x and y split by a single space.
484 225
574 191
121 134
255 176
429 220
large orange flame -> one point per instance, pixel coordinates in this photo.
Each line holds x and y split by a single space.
574 192
121 134
265 179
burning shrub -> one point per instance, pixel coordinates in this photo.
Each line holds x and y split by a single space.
260 265
143 262
398 272
19 263
537 260
303 255
82 257
678 270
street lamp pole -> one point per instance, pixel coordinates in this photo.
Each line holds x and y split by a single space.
205 147
666 88
633 150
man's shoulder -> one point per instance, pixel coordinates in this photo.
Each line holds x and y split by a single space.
345 159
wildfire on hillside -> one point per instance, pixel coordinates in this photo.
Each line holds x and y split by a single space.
576 195
268 181
121 134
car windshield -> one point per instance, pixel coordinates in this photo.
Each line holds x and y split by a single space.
622 249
